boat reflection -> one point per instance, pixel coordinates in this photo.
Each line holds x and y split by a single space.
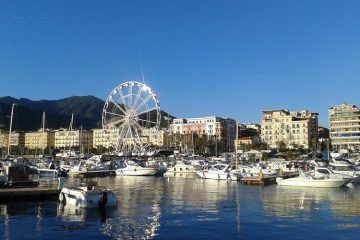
70 213
284 201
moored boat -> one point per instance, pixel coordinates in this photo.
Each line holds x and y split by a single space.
135 168
219 171
310 181
90 196
182 166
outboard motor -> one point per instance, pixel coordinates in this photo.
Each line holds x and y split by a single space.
103 199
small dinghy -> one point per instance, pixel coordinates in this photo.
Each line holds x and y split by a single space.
87 197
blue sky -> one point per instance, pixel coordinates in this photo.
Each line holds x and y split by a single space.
224 58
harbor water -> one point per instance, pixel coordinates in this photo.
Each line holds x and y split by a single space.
186 207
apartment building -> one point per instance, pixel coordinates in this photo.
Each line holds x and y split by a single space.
294 129
344 121
73 139
3 139
105 138
109 137
248 133
40 139
222 129
17 139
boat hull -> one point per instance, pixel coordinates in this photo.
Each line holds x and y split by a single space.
319 183
136 172
216 176
184 169
86 199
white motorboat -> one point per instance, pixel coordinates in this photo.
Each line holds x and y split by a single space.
345 167
280 166
90 196
182 167
95 163
254 170
135 168
319 172
47 173
219 171
310 181
161 166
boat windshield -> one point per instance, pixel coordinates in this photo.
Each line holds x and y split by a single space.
219 167
323 170
136 163
343 168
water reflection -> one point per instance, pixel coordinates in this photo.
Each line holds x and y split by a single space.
285 201
185 206
139 211
70 213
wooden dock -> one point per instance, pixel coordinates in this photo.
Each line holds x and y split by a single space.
259 180
265 180
10 194
89 174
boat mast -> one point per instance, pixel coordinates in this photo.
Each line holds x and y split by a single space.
193 144
81 140
43 131
328 148
43 122
70 130
11 119
216 153
71 122
236 142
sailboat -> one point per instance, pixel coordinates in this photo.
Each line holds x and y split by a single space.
68 153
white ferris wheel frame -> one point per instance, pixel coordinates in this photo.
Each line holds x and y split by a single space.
131 105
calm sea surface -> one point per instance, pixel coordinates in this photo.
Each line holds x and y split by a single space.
187 207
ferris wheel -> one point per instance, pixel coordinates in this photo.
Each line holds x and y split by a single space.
132 108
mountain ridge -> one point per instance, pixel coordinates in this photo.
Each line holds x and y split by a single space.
87 112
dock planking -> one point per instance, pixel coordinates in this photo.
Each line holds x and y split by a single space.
89 174
29 193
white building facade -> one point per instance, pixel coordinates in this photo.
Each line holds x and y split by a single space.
294 129
222 129
344 121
